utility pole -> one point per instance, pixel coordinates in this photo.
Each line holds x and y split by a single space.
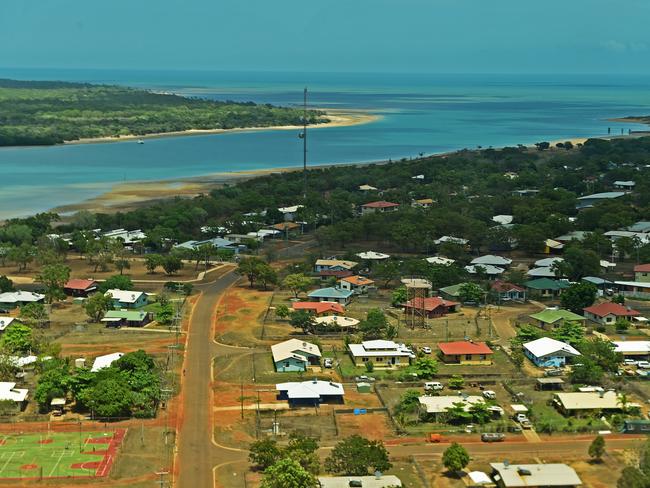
303 136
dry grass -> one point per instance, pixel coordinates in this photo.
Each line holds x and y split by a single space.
239 315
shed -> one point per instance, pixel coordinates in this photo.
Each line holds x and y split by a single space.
549 383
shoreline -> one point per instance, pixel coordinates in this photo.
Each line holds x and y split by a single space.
337 118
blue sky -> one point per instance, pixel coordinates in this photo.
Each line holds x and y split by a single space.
442 36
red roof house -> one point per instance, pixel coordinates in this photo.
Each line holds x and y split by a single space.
321 309
609 313
79 288
465 352
432 307
508 291
377 207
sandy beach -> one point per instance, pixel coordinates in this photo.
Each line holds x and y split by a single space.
337 118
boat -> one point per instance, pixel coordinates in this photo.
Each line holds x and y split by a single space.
140 141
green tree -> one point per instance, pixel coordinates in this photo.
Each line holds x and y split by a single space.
266 275
456 382
282 311
425 367
116 282
470 292
480 413
408 403
375 325
54 277
97 305
6 284
22 255
34 313
602 353
579 296
111 397
121 263
301 319
172 264
597 448
263 453
357 456
399 296
577 264
570 332
455 458
249 267
517 357
632 478
303 449
297 283
622 325
152 261
387 271
526 333
587 372
165 314
288 473
17 339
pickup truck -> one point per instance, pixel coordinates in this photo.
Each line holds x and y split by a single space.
523 421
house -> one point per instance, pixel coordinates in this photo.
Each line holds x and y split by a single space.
313 392
548 262
543 272
589 201
331 294
431 307
9 393
373 256
127 298
379 481
549 353
574 235
127 237
6 322
320 309
600 283
295 355
554 317
105 361
218 243
503 219
492 260
551 246
289 213
436 405
284 227
507 291
633 349
451 292
12 299
465 352
327 274
609 312
451 240
358 285
545 287
641 227
642 273
383 354
508 475
333 265
378 207
367 188
80 288
489 270
440 261
131 318
337 321
636 426
525 193
422 203
632 289
589 402
627 185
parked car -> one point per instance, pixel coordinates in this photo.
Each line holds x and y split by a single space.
525 424
433 386
328 363
492 437
643 364
489 394
426 350
630 362
554 372
435 438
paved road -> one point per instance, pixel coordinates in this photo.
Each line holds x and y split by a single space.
196 452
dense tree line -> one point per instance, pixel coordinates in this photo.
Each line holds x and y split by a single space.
46 113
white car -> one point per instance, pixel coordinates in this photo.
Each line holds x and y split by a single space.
328 363
426 350
643 365
433 386
489 394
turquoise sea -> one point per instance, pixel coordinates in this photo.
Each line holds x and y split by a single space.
420 113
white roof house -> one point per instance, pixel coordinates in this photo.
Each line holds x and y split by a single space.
337 320
452 239
440 404
547 262
590 400
534 475
293 348
124 296
102 362
5 322
128 236
440 260
379 347
545 346
290 209
367 188
331 263
488 269
493 260
632 348
20 297
503 219
310 390
9 392
543 272
373 256
383 481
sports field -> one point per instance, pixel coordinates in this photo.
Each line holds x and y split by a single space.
58 454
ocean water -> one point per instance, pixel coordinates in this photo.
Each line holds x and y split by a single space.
419 114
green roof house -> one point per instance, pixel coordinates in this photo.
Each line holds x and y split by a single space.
551 318
545 287
132 318
451 292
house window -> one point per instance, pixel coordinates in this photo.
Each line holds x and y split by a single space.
482 357
286 365
365 360
380 359
468 357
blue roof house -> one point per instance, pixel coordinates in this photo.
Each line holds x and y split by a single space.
337 295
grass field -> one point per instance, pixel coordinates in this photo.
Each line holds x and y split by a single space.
58 455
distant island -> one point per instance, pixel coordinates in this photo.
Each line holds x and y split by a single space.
52 112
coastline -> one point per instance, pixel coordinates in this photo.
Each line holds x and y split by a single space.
337 118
